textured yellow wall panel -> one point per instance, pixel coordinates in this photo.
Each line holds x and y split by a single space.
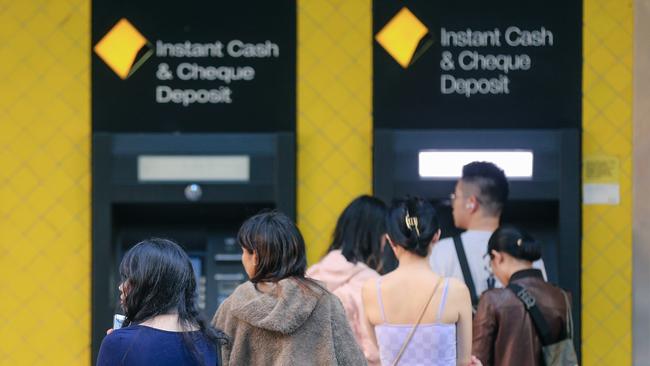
45 182
44 164
607 230
334 127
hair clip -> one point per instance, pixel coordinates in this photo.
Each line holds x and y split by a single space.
519 241
412 223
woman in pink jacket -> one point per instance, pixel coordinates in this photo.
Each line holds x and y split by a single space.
353 258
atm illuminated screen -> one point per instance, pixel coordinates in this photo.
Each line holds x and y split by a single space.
448 164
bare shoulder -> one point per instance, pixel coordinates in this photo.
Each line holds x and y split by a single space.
457 287
368 288
455 283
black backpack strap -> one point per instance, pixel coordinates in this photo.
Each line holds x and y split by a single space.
530 304
464 266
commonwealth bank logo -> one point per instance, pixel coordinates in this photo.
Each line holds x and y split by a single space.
404 37
124 49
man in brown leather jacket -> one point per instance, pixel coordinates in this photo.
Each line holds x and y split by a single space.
503 331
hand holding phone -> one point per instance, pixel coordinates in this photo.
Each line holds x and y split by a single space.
118 320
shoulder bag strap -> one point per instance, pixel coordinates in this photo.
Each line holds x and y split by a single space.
408 338
569 315
464 266
530 305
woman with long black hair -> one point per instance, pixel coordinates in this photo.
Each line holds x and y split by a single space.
162 325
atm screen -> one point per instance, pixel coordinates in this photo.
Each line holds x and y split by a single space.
197 265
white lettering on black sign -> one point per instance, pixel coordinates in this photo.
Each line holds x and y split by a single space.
502 64
224 75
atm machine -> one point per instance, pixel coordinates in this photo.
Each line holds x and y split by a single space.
195 189
545 191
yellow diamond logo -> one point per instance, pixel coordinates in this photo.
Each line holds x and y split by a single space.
401 37
124 49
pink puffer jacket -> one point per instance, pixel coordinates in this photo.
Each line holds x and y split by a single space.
345 280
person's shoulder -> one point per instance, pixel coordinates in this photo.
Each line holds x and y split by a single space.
225 308
371 281
496 295
330 301
118 338
241 293
327 296
455 283
126 332
369 288
442 253
456 286
444 245
364 272
314 270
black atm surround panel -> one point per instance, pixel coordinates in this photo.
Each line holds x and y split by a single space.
215 258
123 202
548 205
207 232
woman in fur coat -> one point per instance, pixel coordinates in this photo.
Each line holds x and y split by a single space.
280 317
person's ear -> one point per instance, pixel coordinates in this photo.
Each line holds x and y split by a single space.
255 258
498 257
472 203
436 237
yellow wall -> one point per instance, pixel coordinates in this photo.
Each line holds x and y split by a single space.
607 230
44 165
334 127
44 182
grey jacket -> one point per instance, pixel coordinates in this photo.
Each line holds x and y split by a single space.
295 323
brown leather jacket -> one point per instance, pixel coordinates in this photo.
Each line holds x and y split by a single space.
503 332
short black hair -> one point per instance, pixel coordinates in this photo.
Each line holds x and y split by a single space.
414 239
515 242
492 185
279 245
359 231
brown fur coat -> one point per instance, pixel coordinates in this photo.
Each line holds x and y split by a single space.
292 323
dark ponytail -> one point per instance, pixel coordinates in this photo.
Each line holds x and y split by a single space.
515 242
412 223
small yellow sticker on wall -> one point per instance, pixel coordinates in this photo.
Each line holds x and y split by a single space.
601 180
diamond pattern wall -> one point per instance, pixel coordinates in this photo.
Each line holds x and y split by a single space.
44 182
44 164
607 230
334 128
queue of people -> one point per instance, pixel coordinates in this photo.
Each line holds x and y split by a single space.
344 310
